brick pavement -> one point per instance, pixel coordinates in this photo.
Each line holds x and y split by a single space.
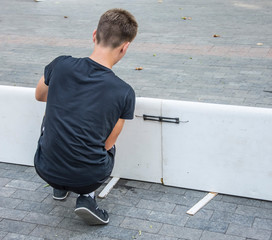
138 210
181 60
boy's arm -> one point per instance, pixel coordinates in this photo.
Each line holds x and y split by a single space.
114 134
41 91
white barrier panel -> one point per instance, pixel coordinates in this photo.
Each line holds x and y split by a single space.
222 148
20 122
225 149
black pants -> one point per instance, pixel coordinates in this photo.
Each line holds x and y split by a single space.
84 189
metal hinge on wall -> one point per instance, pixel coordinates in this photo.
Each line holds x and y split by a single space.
161 119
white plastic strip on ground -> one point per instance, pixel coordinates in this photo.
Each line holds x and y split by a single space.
222 148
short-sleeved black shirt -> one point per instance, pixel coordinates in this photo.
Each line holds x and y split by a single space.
85 100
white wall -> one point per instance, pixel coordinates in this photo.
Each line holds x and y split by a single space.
222 148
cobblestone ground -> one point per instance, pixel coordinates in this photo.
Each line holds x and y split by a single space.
181 60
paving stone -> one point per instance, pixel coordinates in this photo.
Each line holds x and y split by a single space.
9 203
68 202
15 167
2 234
83 236
16 226
266 204
141 225
131 212
254 211
62 211
241 201
53 232
122 200
194 193
221 206
6 192
180 199
35 207
175 231
198 223
219 236
228 217
150 236
4 181
76 225
26 185
19 175
254 233
167 189
14 236
172 219
138 184
263 223
13 214
43 219
155 205
144 194
116 232
29 195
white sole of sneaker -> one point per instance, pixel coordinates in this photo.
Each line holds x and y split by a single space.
61 198
89 217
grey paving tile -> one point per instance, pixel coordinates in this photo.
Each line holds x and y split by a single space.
221 206
131 212
76 225
16 226
35 207
172 219
116 232
144 194
141 225
232 218
219 236
262 223
180 199
29 195
195 193
4 181
21 184
2 234
122 200
14 236
42 219
203 224
167 189
254 211
69 202
13 214
6 202
238 230
18 175
155 205
266 204
53 232
241 201
150 236
62 211
14 167
84 236
6 192
138 184
175 231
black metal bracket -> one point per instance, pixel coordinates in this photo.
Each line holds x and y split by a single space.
161 119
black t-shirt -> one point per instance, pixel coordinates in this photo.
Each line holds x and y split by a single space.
85 100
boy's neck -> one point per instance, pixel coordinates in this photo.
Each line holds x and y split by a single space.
103 56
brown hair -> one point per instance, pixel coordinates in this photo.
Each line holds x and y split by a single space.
115 27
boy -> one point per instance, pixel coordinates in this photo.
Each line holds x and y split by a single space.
87 105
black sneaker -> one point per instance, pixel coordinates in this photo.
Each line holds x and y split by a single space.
87 209
60 194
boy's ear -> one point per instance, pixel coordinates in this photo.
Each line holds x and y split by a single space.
94 35
125 47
